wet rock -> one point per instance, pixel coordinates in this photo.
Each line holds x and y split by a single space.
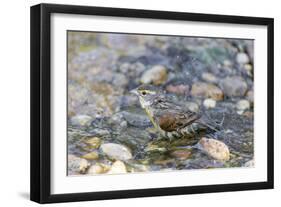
98 168
209 77
118 167
77 165
100 132
91 156
137 120
243 105
135 167
128 101
227 63
154 148
81 120
248 114
214 148
123 124
192 106
120 80
209 103
132 69
180 89
156 75
181 154
116 151
206 90
250 96
250 163
164 162
248 67
234 86
242 58
94 142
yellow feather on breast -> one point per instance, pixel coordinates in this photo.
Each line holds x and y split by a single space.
149 114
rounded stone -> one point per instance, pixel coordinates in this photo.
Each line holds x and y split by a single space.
118 167
209 103
243 105
98 168
116 151
81 120
242 58
192 106
156 75
206 90
77 165
91 156
209 77
180 89
214 148
94 142
234 86
250 96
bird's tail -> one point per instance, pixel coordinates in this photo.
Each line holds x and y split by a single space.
209 123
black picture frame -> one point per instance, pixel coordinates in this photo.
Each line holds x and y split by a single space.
41 99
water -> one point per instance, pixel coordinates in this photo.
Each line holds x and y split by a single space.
101 74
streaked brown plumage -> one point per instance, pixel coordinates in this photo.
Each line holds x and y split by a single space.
170 119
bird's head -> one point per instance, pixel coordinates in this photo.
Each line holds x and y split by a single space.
146 94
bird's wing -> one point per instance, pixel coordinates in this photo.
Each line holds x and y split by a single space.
172 120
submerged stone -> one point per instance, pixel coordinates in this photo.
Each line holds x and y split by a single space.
116 151
91 156
94 142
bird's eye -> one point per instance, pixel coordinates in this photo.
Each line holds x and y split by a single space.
143 93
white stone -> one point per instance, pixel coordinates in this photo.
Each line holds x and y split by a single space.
243 105
192 106
118 167
209 103
242 58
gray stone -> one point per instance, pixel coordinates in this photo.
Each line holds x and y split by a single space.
234 86
116 151
81 120
209 77
242 58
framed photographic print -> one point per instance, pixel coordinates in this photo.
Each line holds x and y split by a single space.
132 103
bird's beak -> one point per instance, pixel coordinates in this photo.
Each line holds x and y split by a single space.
134 91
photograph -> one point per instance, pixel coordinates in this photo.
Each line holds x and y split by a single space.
146 103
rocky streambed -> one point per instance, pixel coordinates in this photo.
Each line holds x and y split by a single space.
109 133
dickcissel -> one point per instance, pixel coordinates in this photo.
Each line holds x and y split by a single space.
171 119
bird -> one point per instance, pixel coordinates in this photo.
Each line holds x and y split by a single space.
171 119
